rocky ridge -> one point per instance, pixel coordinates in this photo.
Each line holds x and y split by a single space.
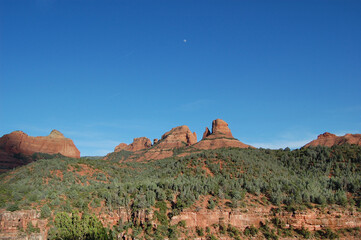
328 139
180 138
15 147
137 144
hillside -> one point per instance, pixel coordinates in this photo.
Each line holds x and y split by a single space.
228 193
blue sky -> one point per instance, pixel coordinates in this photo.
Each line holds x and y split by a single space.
105 72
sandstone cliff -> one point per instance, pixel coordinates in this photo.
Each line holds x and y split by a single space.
19 142
329 140
220 137
137 144
17 147
180 138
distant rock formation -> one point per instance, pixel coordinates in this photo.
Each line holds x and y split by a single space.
179 139
328 139
206 133
19 142
220 127
16 148
220 137
137 144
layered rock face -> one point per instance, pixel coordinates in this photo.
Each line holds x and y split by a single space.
19 142
137 144
329 140
11 224
311 220
180 137
177 137
220 137
220 128
143 149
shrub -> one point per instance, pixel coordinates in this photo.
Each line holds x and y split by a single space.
250 231
303 232
326 233
45 211
199 231
12 208
182 224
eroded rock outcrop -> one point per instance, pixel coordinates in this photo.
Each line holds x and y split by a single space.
220 128
179 140
137 145
328 139
19 142
13 225
220 137
312 220
178 137
206 133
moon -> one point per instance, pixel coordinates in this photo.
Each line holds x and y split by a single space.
185 40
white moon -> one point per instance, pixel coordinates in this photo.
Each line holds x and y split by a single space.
185 40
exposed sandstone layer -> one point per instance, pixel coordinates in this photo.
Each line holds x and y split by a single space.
177 137
17 147
11 224
137 144
142 148
180 138
220 137
311 219
220 127
206 133
329 140
19 142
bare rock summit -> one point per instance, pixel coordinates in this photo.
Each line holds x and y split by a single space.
137 145
220 137
328 139
19 142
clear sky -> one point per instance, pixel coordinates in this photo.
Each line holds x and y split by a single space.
104 72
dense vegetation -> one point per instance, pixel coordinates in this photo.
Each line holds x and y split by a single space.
295 178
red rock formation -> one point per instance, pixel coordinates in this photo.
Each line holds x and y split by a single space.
220 137
137 145
181 137
143 150
312 220
19 142
329 140
220 127
206 133
11 224
177 137
120 147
